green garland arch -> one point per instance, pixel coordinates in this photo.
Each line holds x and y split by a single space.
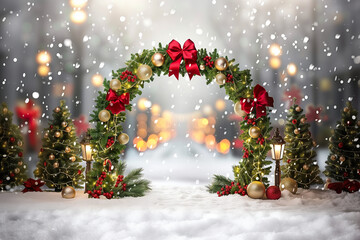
252 166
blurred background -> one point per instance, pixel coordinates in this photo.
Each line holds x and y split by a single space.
53 50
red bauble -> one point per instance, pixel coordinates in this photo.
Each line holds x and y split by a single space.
294 121
273 192
51 126
341 145
20 154
12 175
12 139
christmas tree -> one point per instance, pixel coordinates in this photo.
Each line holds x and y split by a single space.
12 167
343 161
299 154
108 142
59 163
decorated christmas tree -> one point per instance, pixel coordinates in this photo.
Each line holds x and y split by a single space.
344 159
12 167
108 141
299 155
59 163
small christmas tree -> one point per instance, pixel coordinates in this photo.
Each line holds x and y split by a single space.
59 163
108 142
344 159
299 154
12 167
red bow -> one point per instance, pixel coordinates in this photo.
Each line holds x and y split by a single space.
117 103
260 102
190 56
347 185
30 114
32 185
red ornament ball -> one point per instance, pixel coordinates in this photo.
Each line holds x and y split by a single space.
20 154
345 174
273 192
12 139
294 121
341 145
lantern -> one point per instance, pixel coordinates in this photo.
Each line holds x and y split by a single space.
277 151
86 154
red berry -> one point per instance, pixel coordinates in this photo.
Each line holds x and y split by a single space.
89 192
20 154
12 174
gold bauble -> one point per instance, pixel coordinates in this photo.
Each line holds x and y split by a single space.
5 110
358 123
333 157
296 131
20 143
157 59
17 170
115 84
221 64
104 115
56 165
238 110
342 159
303 120
64 124
346 109
144 72
202 67
254 132
57 109
298 109
314 143
57 134
51 157
256 190
220 79
68 129
123 138
72 158
306 167
46 135
68 192
67 149
289 184
20 163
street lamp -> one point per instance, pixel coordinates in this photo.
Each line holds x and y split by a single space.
86 154
277 151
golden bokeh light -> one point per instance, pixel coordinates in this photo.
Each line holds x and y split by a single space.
291 69
78 16
220 105
43 70
275 50
97 80
43 58
275 62
78 3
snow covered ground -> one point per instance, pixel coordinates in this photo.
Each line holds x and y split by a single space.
179 207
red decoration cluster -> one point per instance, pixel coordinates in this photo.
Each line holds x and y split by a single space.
246 153
208 61
260 140
32 185
97 193
250 121
128 76
347 185
227 190
229 78
110 142
294 121
119 179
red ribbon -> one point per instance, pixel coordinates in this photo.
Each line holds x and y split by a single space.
260 102
29 114
117 103
188 52
32 185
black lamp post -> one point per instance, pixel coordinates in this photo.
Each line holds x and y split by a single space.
86 154
277 151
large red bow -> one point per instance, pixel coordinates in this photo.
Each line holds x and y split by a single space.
32 185
117 103
260 102
190 56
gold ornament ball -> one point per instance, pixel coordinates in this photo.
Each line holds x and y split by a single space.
56 165
64 124
115 84
202 67
256 190
72 158
221 64
306 167
254 132
20 163
289 184
358 123
342 159
46 135
57 109
20 143
67 149
104 115
68 129
144 72
157 59
314 144
68 192
123 138
5 110
298 109
346 109
333 157
303 120
238 110
51 157
296 131
17 170
57 134
220 79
